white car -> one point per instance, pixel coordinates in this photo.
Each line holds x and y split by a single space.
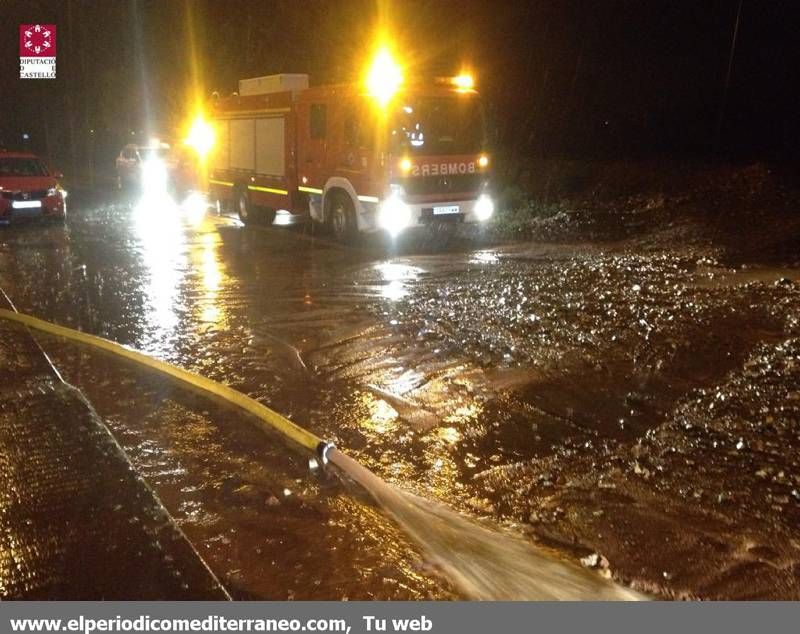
140 166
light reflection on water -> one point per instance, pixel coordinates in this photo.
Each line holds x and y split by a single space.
382 417
396 276
484 257
194 208
162 244
463 412
211 271
449 434
162 228
406 382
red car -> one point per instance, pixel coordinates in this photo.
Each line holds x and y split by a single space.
28 189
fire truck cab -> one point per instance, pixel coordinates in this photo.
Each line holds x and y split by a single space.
350 163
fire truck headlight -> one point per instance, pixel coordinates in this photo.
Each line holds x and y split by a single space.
484 207
154 176
393 214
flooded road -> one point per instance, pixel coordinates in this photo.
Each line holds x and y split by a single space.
635 409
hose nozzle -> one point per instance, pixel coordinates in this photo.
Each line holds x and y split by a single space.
323 448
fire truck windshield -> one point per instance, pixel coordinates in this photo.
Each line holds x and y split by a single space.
438 125
147 153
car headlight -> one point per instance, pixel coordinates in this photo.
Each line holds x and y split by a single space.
394 215
154 176
484 207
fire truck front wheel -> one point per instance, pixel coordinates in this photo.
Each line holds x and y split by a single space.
341 218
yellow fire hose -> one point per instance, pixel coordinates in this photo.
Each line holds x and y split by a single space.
327 452
263 414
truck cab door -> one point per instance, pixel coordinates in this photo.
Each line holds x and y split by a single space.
313 145
356 148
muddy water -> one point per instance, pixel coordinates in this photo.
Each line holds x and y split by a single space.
627 407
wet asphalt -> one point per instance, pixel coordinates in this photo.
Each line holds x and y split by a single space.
634 407
77 521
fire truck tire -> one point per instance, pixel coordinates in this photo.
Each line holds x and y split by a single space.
243 207
342 218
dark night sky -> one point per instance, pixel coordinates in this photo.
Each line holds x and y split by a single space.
568 78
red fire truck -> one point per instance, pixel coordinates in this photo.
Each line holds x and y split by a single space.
355 161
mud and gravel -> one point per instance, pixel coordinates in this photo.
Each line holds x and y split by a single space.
630 399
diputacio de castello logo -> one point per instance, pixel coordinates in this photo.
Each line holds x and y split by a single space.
37 51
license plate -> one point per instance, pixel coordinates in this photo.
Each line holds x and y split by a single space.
26 204
443 211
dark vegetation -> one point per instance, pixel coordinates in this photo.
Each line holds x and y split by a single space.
749 212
